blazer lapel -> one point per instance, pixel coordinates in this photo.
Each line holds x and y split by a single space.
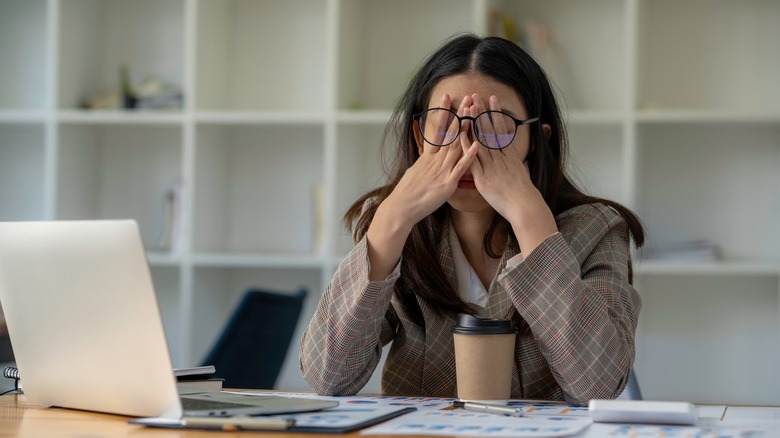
498 305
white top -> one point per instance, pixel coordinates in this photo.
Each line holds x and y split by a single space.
470 287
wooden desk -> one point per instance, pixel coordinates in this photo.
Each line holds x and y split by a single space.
18 418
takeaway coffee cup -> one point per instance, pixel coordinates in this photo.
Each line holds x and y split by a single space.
484 353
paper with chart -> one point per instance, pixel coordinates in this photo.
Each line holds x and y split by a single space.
420 403
457 422
548 419
748 413
530 407
601 430
341 417
543 408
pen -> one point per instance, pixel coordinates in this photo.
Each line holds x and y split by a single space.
506 411
239 423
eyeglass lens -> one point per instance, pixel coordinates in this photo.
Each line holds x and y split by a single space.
493 129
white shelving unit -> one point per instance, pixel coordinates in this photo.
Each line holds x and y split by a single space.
673 109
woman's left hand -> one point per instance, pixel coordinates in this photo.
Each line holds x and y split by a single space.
503 180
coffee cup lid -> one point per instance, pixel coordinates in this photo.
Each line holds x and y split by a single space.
472 325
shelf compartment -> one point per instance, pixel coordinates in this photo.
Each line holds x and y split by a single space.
707 116
358 170
255 188
23 49
158 258
167 287
117 117
594 117
377 58
653 267
586 57
597 160
705 326
728 50
262 55
119 172
371 117
97 37
260 117
22 172
22 116
734 199
218 290
247 260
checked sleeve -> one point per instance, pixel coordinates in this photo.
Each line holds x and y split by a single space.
342 344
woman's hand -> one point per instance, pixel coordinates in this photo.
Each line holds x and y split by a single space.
425 186
434 177
503 180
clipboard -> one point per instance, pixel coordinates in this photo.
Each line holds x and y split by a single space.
340 419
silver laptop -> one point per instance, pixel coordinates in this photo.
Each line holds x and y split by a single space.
86 330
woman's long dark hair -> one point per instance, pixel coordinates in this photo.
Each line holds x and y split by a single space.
507 63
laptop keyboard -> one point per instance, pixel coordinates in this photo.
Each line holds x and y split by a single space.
195 404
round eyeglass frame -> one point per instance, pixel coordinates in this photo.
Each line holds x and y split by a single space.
475 126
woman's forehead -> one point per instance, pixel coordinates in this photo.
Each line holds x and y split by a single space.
458 86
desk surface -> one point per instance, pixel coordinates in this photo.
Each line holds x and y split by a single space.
18 418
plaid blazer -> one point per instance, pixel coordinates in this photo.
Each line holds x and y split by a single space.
571 299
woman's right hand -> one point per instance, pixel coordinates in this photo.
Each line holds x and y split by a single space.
434 177
425 187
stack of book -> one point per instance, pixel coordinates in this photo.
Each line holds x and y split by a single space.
197 379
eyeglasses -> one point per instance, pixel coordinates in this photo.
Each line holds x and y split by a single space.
493 129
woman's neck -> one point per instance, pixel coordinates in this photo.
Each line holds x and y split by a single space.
471 229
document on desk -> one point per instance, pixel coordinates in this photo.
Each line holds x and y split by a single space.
601 430
530 407
339 419
714 421
458 422
765 419
343 418
756 414
542 408
419 403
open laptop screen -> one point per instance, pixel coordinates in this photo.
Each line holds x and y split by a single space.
83 317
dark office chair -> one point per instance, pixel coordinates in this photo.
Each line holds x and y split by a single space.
251 349
6 353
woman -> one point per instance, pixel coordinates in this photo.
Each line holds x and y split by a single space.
479 217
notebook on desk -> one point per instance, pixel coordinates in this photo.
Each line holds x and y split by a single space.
86 330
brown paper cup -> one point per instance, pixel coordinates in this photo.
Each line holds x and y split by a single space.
483 360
